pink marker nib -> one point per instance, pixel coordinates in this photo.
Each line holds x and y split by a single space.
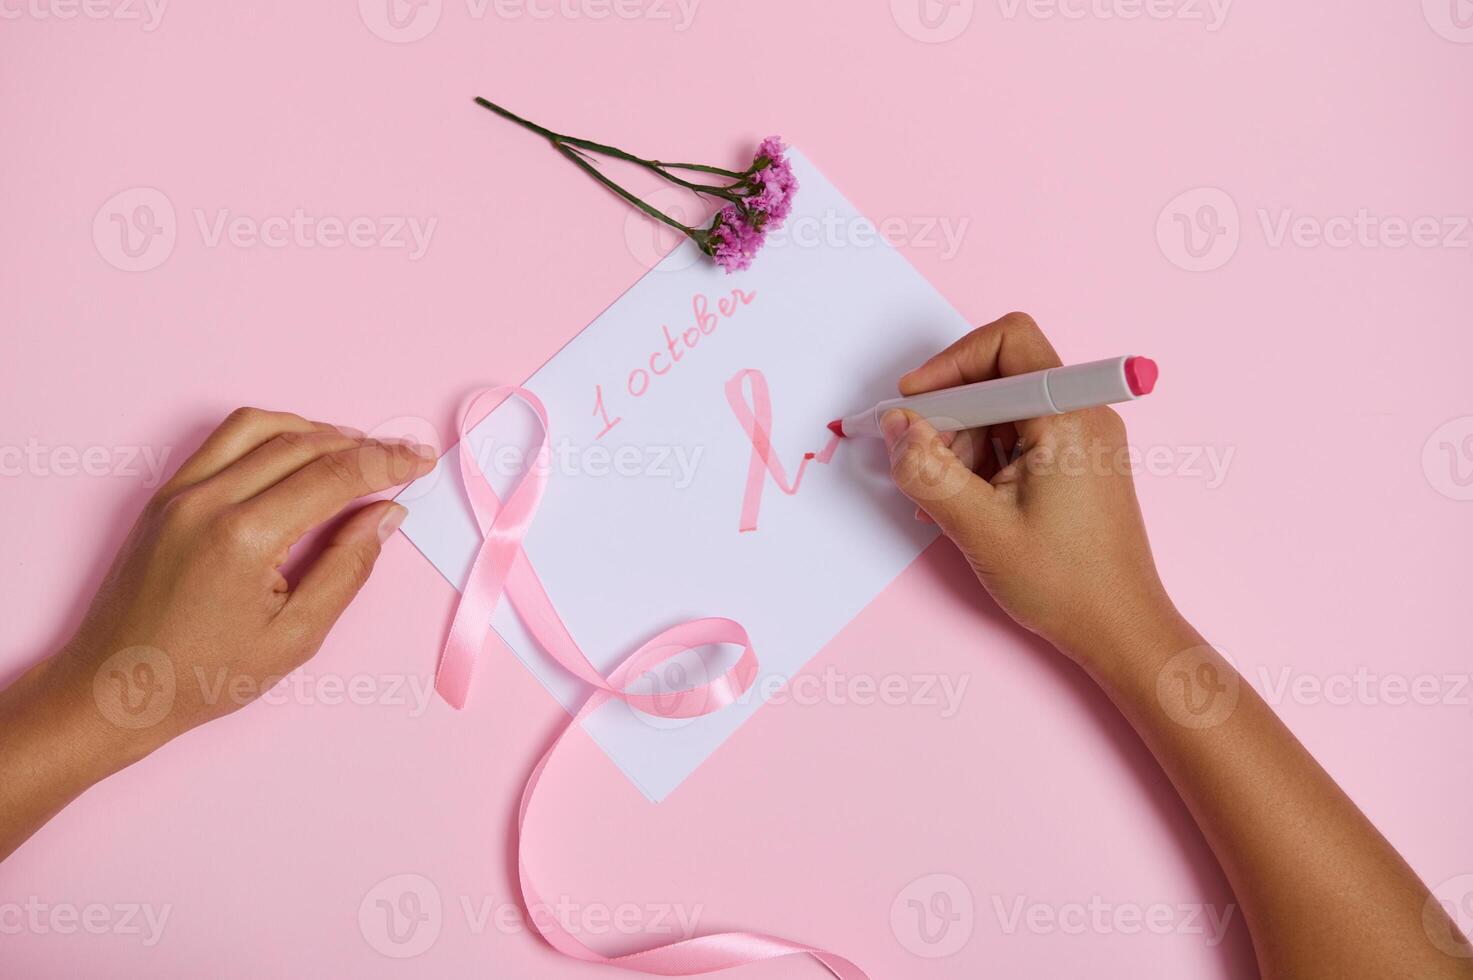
837 427
1141 374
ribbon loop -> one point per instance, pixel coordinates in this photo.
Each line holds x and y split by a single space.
501 567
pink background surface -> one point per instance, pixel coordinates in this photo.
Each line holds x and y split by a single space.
1055 143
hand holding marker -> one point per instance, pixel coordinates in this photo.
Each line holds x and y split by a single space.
1023 396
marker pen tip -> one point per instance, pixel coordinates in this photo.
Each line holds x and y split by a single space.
1141 374
837 427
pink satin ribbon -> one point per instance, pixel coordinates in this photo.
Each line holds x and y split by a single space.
501 567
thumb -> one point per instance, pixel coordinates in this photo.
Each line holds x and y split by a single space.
343 567
927 471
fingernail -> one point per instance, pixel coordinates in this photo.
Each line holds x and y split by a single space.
422 451
893 425
391 522
350 432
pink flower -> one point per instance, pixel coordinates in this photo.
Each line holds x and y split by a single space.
774 183
733 240
740 230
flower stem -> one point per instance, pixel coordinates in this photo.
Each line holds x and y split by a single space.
708 170
662 169
508 114
658 168
598 175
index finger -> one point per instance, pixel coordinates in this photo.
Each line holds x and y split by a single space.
1005 347
243 431
322 488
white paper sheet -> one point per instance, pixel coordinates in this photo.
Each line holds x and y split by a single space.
639 527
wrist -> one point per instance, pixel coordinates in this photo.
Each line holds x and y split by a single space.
1134 640
54 745
69 705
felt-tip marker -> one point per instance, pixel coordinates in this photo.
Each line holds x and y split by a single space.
1022 396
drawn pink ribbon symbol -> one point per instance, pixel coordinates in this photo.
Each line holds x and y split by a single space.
501 567
756 422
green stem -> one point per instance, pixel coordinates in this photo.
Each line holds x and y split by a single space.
598 175
618 154
508 114
710 190
659 168
708 170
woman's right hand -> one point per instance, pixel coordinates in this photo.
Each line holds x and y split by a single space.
1044 510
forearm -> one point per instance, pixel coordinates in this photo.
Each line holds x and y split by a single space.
196 590
1323 893
54 744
